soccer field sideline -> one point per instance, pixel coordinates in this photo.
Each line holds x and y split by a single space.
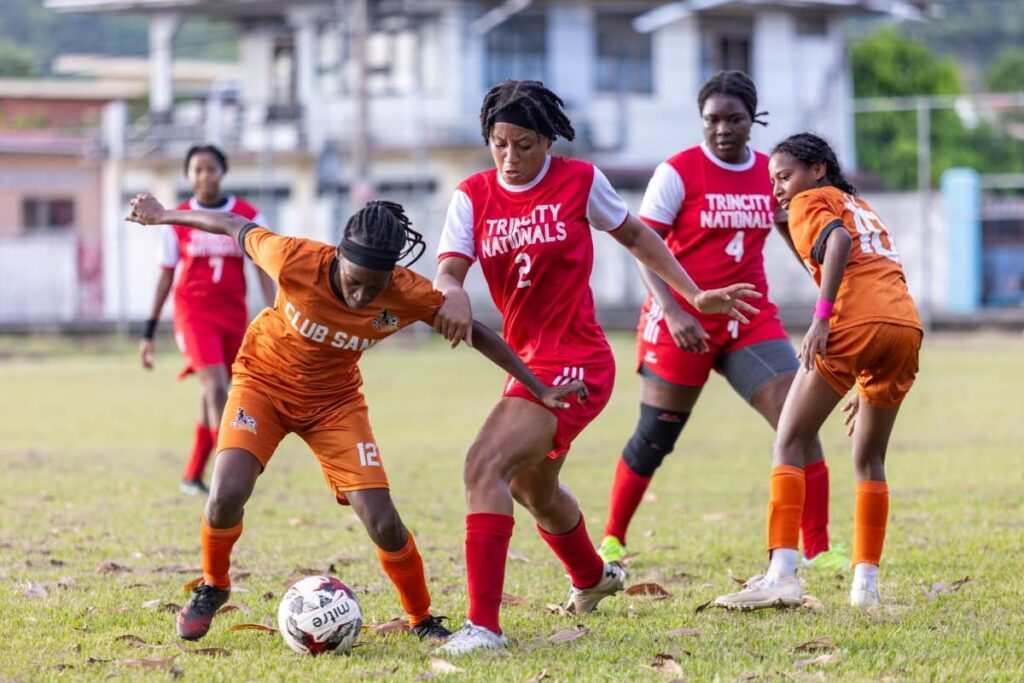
93 446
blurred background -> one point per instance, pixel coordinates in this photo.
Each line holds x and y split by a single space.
322 104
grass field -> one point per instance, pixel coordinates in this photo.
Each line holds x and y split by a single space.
95 539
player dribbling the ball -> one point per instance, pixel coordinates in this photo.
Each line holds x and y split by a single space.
528 221
865 331
297 371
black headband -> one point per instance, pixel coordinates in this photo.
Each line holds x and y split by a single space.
517 115
366 257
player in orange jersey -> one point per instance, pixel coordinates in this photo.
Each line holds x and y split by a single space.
865 331
297 372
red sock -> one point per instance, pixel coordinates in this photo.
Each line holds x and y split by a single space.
628 490
576 551
203 441
487 538
814 522
216 547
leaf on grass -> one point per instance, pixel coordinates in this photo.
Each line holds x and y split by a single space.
269 595
940 588
442 667
131 639
192 585
66 582
558 610
651 590
682 632
164 663
34 589
514 600
153 604
820 660
140 585
960 583
666 663
700 608
109 567
812 603
207 651
396 625
517 556
56 563
568 635
239 575
96 660
171 607
62 667
178 569
306 571
540 676
233 608
819 644
299 521
252 627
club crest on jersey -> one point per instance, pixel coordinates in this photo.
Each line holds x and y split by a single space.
385 322
243 421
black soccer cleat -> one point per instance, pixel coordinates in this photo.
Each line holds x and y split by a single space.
431 628
195 618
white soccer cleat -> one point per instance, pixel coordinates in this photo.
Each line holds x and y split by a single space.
760 592
584 600
471 638
864 596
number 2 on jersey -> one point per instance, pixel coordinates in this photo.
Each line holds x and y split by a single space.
524 269
217 263
735 246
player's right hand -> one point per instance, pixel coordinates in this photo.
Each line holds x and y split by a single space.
729 300
454 320
686 331
145 210
146 353
554 397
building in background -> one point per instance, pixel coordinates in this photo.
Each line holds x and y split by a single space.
317 119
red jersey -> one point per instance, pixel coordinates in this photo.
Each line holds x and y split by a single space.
715 217
212 276
536 253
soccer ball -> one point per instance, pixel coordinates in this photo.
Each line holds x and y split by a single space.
319 614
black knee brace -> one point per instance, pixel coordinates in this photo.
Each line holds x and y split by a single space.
654 438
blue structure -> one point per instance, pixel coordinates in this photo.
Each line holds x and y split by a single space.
961 196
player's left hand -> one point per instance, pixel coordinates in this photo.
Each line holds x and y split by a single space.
145 210
554 397
851 409
729 300
814 344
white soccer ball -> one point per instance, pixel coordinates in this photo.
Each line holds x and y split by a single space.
318 615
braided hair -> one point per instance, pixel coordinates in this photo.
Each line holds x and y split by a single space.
212 150
531 105
812 149
734 84
379 234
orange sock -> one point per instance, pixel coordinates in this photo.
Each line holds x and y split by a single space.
405 569
216 549
870 513
785 507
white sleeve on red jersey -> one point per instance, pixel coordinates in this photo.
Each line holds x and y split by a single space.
664 197
457 235
169 255
606 210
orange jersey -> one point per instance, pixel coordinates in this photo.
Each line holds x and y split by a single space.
306 348
873 288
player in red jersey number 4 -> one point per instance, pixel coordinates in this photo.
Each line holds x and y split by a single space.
528 222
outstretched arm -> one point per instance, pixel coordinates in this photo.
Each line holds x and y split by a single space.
650 250
146 210
494 348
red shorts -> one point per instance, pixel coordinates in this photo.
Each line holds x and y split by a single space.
599 378
657 352
206 342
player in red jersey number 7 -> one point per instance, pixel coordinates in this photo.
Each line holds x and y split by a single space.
713 203
528 222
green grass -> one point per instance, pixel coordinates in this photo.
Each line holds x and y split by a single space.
92 449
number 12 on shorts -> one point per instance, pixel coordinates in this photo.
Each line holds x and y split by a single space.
368 456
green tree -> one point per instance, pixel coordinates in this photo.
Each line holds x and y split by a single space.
1006 73
16 62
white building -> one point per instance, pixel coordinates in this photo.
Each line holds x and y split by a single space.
629 71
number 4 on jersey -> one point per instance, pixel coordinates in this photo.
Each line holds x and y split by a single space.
735 246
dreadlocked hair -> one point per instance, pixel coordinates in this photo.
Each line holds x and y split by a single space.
734 84
543 109
812 149
384 227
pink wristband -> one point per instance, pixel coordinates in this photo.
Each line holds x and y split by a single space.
823 309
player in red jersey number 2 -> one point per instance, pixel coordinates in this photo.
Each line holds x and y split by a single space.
714 205
528 222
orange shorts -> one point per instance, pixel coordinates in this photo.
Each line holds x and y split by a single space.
880 358
339 435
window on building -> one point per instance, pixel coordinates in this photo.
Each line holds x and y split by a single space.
517 49
725 45
283 104
42 214
623 55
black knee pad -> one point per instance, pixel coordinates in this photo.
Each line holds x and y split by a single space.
655 437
